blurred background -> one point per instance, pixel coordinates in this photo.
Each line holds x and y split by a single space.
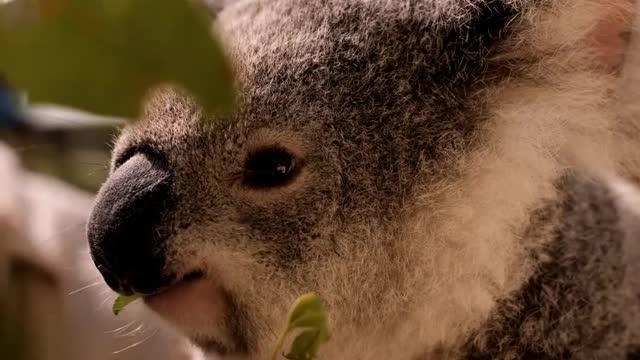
52 140
53 302
68 145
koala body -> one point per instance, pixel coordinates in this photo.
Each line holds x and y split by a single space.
446 175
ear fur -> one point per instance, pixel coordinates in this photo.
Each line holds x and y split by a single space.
628 107
609 37
599 28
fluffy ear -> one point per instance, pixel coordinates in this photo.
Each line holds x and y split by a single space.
631 61
609 37
593 31
628 105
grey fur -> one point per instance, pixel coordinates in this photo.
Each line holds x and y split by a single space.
579 304
395 109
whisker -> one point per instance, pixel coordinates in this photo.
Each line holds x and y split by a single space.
135 344
121 328
104 302
85 288
135 331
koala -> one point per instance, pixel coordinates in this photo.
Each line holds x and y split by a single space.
452 178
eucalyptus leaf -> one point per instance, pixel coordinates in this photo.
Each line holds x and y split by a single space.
307 307
310 319
306 345
103 56
122 301
307 315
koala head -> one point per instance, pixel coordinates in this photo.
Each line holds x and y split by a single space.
386 156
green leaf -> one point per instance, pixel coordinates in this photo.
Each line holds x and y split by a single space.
307 311
122 301
103 56
310 319
306 345
307 314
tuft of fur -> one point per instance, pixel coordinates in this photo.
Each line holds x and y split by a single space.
454 199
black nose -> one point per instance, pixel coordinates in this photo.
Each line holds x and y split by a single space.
127 244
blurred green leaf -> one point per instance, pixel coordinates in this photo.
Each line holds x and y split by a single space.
307 311
307 314
104 55
306 345
122 301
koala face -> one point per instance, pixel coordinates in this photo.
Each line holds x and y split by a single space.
380 159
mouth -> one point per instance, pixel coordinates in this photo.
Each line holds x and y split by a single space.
193 304
211 345
203 310
191 277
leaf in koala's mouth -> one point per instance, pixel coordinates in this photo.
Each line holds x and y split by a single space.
122 301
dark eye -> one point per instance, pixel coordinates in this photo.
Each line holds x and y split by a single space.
270 167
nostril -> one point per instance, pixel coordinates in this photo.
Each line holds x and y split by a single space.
124 229
194 275
132 151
